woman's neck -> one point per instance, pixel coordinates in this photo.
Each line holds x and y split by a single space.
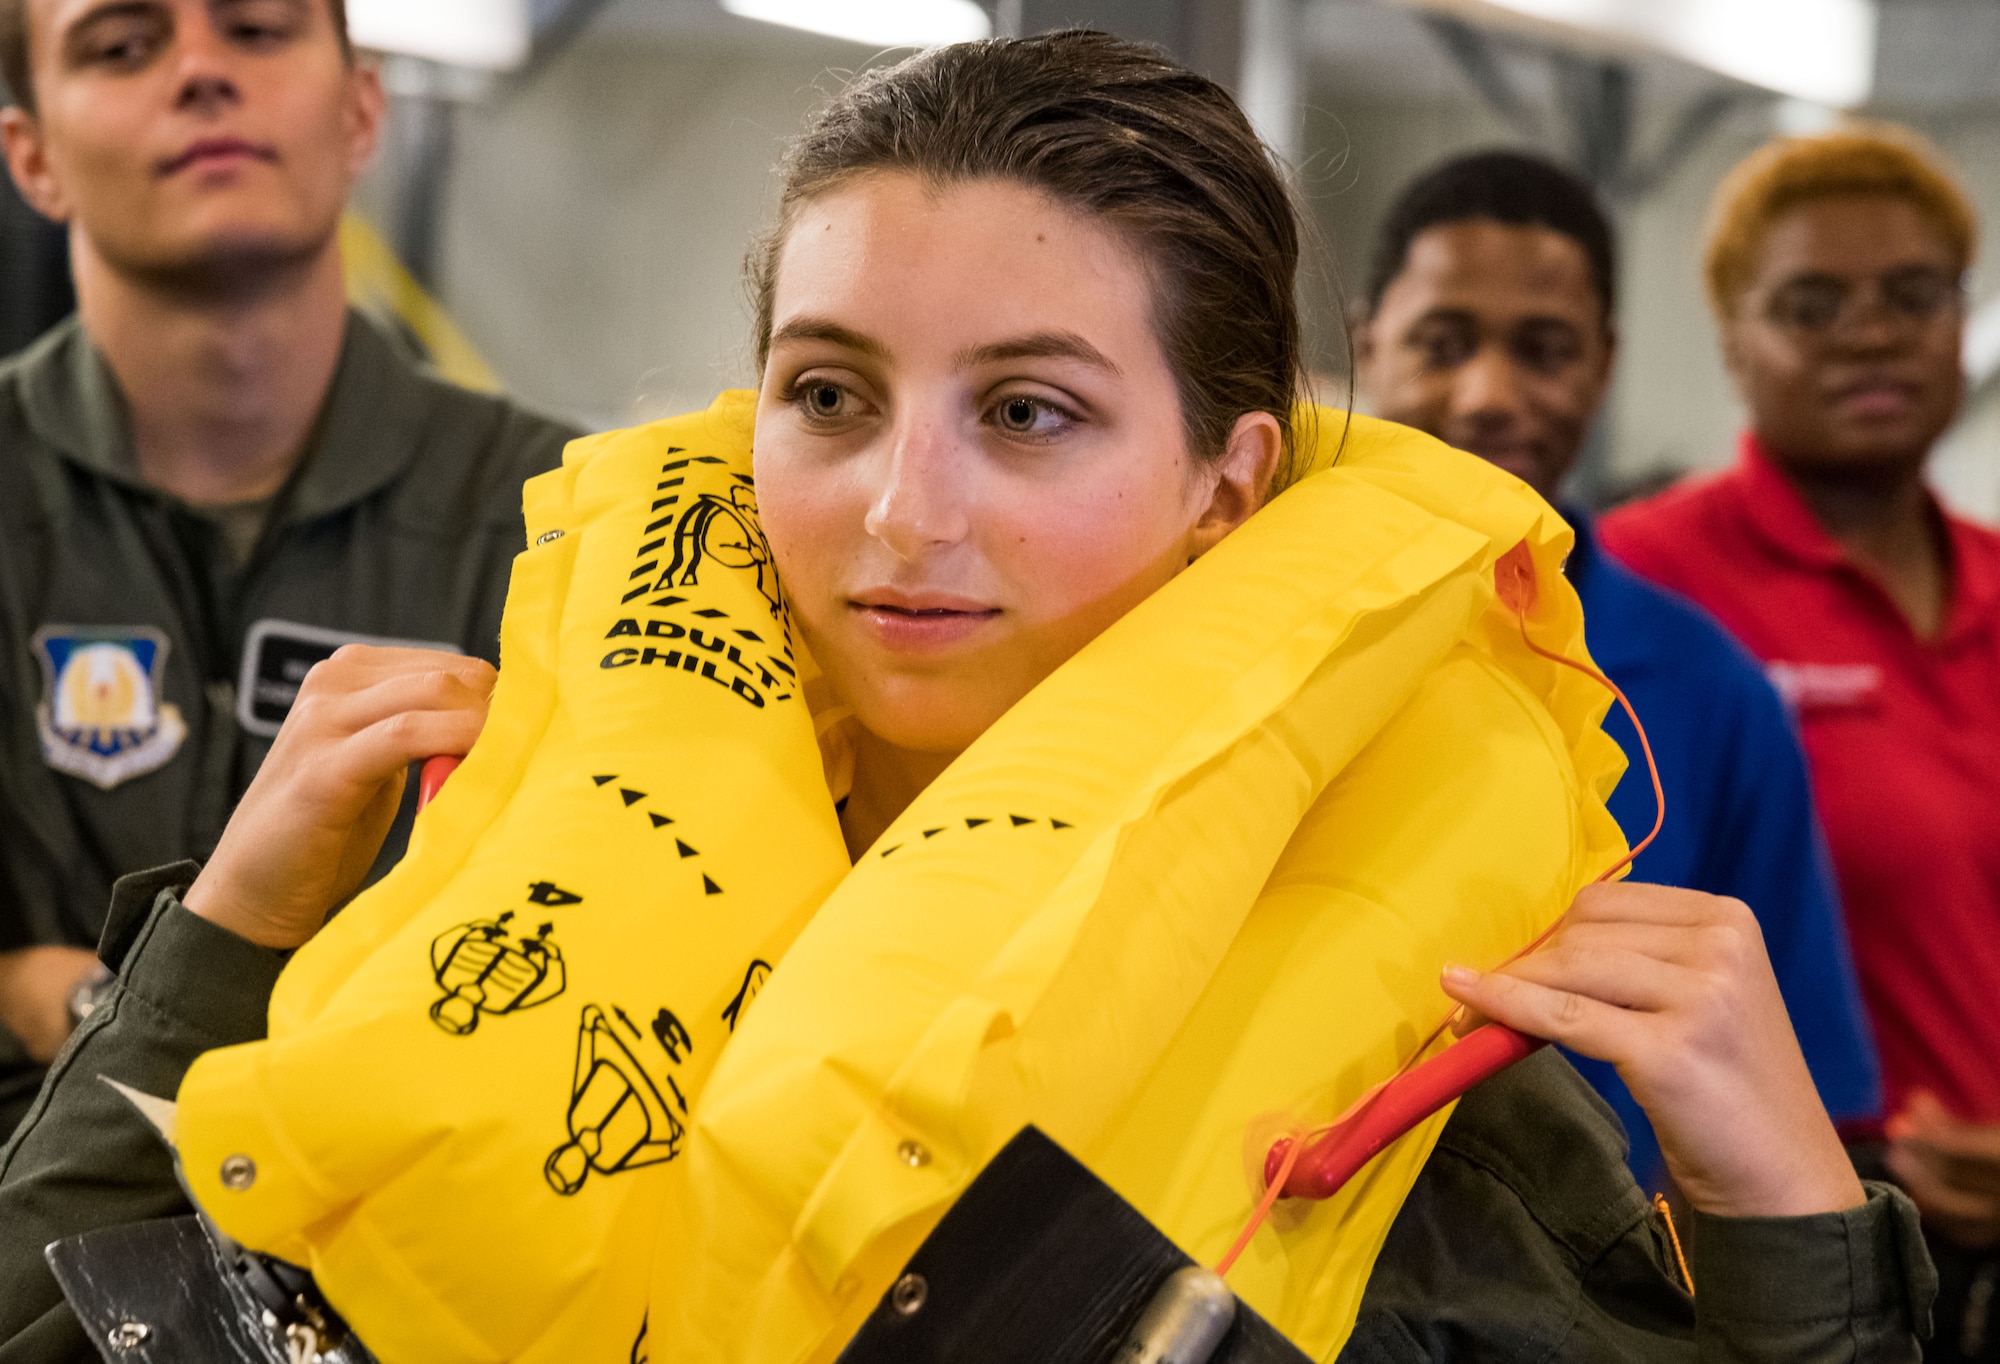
886 780
1887 526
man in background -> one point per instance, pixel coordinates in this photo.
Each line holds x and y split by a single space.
1490 324
1835 268
215 473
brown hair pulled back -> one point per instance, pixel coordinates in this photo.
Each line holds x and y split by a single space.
1118 132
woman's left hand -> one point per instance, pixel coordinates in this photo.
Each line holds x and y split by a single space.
1674 988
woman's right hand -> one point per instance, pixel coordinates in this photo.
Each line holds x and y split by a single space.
1675 989
309 827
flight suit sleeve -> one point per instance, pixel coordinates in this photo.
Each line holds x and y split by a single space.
1855 1285
1525 1239
84 1158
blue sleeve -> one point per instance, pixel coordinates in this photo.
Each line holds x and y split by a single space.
1766 848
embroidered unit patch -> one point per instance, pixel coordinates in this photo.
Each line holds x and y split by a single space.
101 717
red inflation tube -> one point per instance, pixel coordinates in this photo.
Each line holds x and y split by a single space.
1330 1161
432 779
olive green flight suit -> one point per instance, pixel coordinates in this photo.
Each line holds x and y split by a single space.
150 649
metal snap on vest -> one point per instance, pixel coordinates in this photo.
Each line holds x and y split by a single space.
914 1155
548 536
129 1335
239 1172
907 1297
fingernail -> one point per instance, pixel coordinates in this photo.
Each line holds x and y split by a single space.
1455 974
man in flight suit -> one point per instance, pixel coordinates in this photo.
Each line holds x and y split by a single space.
215 474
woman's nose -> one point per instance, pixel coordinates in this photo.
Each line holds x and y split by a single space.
920 504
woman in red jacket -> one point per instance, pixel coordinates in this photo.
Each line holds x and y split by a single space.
1835 268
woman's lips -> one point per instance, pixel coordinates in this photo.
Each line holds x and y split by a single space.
1884 398
918 623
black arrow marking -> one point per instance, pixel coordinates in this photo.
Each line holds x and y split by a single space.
631 797
602 780
549 893
685 850
708 885
973 823
659 821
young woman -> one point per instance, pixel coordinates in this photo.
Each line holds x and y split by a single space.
1029 347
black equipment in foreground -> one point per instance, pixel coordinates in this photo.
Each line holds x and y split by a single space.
176 1291
1039 1262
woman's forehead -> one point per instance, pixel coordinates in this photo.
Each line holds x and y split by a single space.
912 266
1851 234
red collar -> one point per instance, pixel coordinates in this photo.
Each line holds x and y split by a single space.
1781 518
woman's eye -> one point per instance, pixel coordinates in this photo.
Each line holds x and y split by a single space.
1018 415
824 401
1024 416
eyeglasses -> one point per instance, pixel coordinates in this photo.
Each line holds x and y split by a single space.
1818 303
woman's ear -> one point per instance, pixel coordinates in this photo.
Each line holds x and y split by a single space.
1242 478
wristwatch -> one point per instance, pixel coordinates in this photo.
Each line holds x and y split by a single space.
89 992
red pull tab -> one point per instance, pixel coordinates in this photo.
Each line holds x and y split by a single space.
1339 1153
431 781
1514 579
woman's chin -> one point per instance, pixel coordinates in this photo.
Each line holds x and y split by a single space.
931 714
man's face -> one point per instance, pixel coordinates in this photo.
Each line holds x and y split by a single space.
1493 338
187 135
1845 342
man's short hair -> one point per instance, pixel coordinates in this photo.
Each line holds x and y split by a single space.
1508 187
1857 158
16 70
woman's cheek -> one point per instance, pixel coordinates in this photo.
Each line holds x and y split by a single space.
797 518
1087 558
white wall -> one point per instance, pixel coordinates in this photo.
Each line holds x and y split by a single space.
596 223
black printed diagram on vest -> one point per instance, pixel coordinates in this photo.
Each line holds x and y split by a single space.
722 528
631 797
617 1119
753 985
713 527
691 532
969 823
488 967
672 1036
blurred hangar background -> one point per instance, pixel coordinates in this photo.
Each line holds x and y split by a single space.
575 181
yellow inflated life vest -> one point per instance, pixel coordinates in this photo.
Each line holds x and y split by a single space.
624 1047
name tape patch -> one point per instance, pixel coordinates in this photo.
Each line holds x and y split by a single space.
277 655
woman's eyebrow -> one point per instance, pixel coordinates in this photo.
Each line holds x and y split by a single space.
1038 346
831 332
